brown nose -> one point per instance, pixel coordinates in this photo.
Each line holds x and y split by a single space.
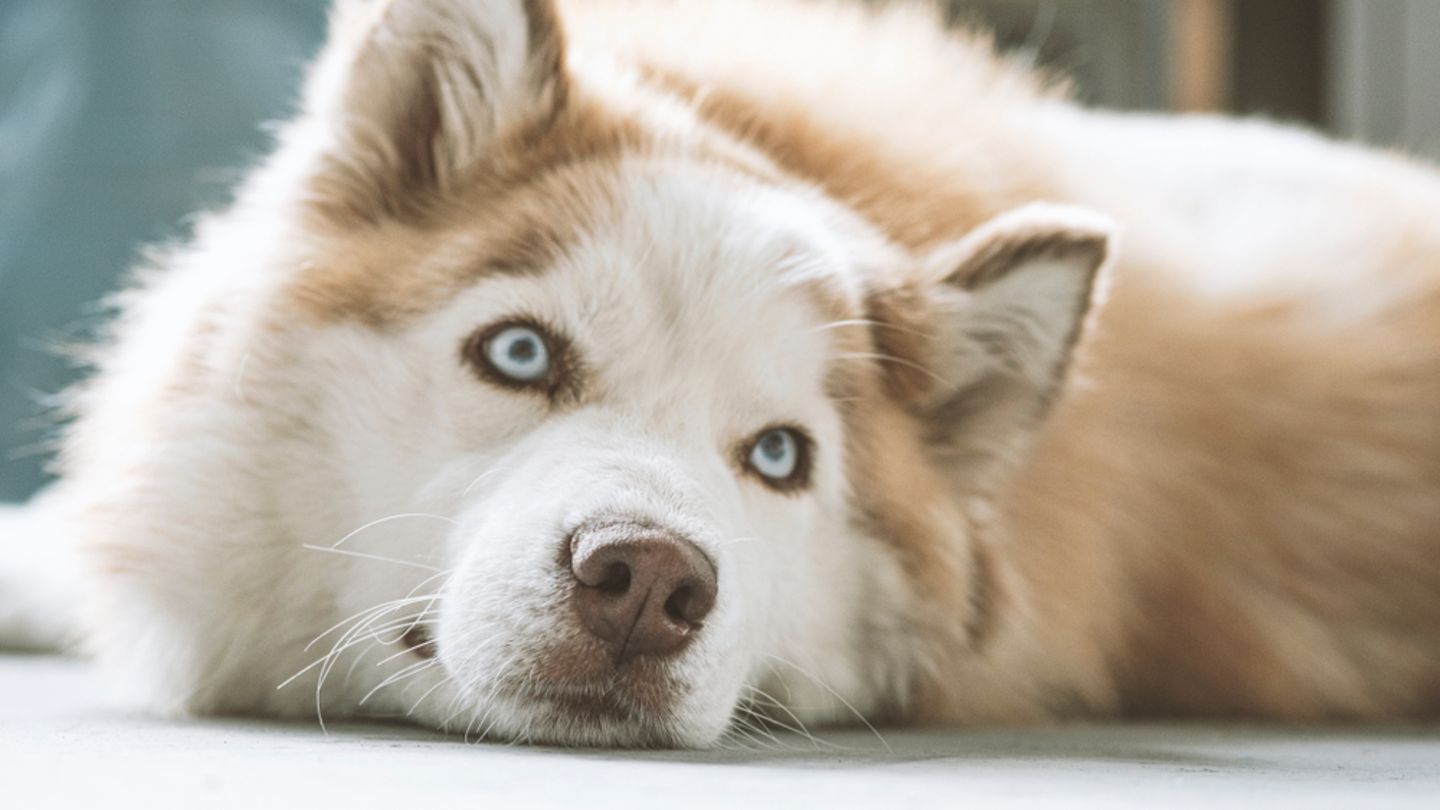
640 589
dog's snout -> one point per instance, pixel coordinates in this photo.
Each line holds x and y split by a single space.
640 589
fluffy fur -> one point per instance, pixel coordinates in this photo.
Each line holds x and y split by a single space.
1181 457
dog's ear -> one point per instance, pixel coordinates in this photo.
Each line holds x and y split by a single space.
982 339
414 93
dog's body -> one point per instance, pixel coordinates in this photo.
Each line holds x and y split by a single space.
1217 491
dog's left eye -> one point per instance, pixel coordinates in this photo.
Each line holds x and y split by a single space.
519 353
780 457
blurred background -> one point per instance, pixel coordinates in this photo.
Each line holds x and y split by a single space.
119 119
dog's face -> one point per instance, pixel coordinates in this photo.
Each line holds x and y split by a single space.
636 442
634 432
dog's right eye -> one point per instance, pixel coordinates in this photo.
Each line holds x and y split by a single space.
518 354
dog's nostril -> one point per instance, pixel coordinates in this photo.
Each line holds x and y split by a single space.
617 579
678 605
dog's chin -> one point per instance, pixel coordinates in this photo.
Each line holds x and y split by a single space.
565 698
567 688
580 718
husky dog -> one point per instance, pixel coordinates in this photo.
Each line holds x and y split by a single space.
610 372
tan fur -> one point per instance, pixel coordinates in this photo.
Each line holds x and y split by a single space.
881 109
1237 512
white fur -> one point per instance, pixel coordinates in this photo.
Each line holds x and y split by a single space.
328 469
38 587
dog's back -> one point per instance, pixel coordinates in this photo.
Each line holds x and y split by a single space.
1238 509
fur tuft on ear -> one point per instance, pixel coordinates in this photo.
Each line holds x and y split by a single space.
418 92
985 335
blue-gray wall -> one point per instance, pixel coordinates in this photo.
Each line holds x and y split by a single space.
118 118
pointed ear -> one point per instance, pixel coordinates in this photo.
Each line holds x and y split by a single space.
984 337
416 92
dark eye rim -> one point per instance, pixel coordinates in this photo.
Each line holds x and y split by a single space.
561 382
799 479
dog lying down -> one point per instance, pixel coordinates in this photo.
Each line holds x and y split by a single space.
625 373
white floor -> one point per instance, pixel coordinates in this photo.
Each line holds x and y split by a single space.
60 746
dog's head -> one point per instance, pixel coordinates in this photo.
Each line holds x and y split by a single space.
636 431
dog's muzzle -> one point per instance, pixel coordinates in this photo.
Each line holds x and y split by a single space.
634 597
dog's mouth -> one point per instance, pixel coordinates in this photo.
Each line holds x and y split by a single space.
599 704
577 683
418 641
593 715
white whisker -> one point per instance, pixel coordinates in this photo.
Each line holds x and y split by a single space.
844 323
404 515
382 662
802 730
351 638
352 641
425 694
836 695
482 476
405 672
383 606
871 323
890 358
345 552
750 722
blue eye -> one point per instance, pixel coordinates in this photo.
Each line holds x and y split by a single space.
518 353
776 455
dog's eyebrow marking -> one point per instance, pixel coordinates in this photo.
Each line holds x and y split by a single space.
526 251
381 294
